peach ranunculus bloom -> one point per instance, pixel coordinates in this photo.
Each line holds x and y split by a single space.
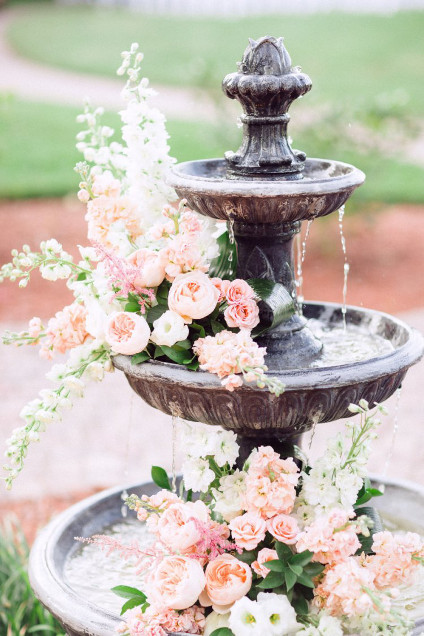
193 295
264 555
239 290
66 330
283 528
227 580
127 332
150 268
248 530
176 582
177 528
242 315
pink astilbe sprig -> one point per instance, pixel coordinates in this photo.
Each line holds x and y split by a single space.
145 558
214 541
122 276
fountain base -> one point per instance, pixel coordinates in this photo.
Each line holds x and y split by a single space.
402 506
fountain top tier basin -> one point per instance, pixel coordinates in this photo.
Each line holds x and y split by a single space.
325 187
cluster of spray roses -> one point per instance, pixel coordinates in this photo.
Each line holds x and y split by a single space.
146 284
247 559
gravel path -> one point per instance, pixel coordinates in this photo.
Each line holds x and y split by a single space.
30 80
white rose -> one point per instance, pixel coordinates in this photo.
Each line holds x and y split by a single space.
169 329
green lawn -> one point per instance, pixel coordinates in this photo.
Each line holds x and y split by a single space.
37 154
349 57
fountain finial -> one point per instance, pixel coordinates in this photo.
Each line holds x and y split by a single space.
265 85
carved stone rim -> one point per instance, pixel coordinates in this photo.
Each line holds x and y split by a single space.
299 379
188 175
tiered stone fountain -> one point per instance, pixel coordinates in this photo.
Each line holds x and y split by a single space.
264 191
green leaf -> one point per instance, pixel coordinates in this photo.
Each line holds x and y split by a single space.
158 352
180 357
193 366
273 579
82 276
367 495
302 558
283 551
221 266
140 357
128 592
247 557
313 569
305 580
301 606
222 631
160 478
182 344
296 569
217 326
133 602
133 307
155 312
198 328
275 566
290 579
276 304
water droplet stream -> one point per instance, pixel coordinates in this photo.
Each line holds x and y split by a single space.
346 266
124 509
301 255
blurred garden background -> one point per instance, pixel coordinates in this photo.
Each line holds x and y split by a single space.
366 108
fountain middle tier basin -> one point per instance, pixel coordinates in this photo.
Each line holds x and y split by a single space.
74 582
312 394
325 187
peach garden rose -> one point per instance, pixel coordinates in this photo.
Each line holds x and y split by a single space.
193 296
150 268
176 582
127 333
227 580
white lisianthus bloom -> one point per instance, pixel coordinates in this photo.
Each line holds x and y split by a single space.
215 621
197 474
247 618
328 626
279 614
169 329
229 496
226 448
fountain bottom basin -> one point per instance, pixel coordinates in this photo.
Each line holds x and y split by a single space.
83 612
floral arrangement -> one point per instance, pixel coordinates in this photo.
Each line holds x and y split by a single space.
275 547
156 281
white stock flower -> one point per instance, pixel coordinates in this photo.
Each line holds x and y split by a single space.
247 618
279 614
229 496
74 385
226 448
349 485
169 329
196 440
197 475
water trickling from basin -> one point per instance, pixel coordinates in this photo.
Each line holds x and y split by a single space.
346 265
124 509
301 255
394 432
176 416
230 226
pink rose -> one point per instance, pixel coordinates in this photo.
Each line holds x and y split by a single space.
239 290
222 286
127 333
150 266
264 555
177 527
227 580
193 295
242 315
284 528
248 530
176 582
